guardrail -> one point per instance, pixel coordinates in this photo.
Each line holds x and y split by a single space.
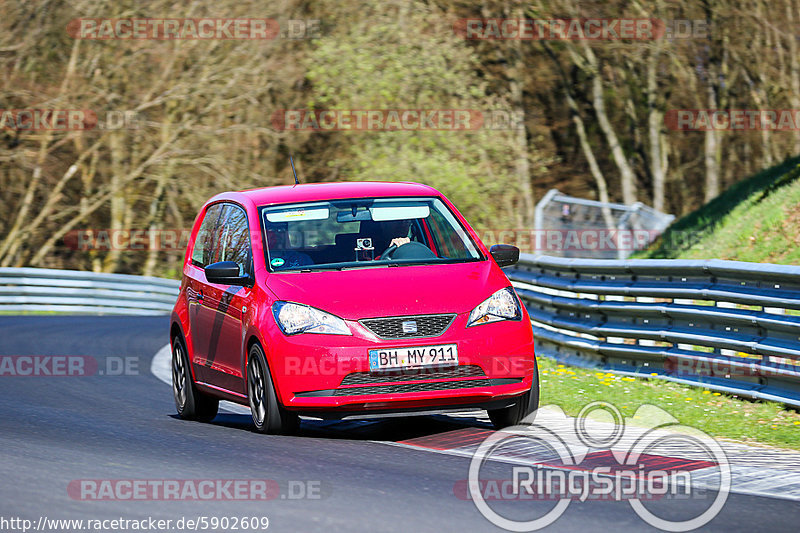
724 325
73 291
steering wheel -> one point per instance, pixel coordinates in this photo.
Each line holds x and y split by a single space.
387 254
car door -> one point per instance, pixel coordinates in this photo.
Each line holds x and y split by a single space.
200 316
228 303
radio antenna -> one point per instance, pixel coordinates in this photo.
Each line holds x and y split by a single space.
294 171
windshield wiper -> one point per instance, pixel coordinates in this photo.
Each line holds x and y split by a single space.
358 267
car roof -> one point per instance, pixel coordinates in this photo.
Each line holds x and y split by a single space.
330 191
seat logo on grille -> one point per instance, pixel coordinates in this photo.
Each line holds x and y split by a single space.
410 326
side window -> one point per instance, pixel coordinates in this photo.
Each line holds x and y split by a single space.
234 238
201 253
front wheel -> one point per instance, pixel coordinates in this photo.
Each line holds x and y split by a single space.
269 416
526 404
190 403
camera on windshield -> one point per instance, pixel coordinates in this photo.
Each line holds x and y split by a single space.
364 250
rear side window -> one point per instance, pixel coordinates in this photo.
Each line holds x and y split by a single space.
203 244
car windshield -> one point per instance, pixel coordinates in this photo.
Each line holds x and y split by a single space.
364 233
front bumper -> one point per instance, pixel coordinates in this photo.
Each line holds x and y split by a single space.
330 374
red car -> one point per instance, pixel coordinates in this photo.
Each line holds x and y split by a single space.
342 300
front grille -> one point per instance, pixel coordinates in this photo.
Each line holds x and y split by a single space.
401 388
425 326
367 378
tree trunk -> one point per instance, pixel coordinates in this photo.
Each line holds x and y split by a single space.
655 119
627 176
523 167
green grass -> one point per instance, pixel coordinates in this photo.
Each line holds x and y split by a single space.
719 415
757 219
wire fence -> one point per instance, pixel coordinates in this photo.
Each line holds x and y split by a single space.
627 227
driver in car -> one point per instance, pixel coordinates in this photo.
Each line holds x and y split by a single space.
398 227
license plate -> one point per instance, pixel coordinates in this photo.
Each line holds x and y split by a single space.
413 357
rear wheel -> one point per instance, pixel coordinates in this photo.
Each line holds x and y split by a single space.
525 405
269 416
190 403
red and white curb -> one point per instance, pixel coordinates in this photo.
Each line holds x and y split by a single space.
754 470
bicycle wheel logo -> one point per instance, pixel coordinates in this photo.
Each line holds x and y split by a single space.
564 460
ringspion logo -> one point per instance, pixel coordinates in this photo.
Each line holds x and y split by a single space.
576 461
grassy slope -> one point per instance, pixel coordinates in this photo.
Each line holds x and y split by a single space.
756 220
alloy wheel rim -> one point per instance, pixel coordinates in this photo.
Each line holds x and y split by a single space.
256 386
178 375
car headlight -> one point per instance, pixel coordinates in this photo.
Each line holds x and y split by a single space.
295 318
502 305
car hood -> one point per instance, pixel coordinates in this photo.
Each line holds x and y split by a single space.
392 291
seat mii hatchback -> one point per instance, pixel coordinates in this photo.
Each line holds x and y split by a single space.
347 300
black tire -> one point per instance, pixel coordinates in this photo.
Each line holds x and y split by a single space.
525 405
269 416
190 403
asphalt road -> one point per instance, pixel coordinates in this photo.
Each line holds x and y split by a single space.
55 430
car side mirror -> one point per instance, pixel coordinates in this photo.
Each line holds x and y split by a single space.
504 254
226 273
